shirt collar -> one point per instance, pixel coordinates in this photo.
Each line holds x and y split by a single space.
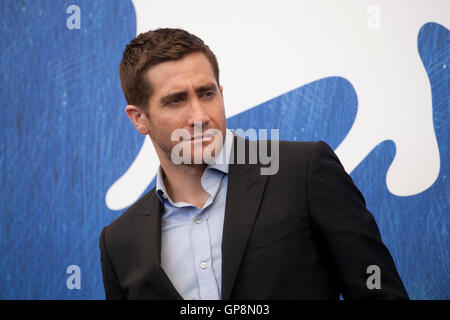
221 163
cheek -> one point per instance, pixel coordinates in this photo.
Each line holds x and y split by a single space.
159 130
162 125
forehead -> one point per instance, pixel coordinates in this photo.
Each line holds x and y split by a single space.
192 70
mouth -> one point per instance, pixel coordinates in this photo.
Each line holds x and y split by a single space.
202 137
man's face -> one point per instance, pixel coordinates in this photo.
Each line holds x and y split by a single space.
185 94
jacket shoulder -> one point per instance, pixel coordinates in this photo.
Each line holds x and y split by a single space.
300 150
298 145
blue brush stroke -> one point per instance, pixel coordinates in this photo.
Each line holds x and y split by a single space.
65 139
415 228
304 114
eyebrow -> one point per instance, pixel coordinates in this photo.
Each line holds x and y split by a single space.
206 87
181 94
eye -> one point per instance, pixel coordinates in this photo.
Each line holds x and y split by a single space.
209 94
176 101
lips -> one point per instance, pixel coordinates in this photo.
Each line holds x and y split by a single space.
201 137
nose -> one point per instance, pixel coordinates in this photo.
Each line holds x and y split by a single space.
197 114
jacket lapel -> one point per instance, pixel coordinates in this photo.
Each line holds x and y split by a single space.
148 243
245 189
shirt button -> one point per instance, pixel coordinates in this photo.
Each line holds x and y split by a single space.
198 221
164 196
203 265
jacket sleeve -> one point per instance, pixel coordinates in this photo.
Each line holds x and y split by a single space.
338 212
110 282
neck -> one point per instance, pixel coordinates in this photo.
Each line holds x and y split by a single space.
183 182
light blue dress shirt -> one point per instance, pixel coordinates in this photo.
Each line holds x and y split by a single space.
191 237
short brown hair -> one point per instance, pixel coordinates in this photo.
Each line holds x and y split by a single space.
151 48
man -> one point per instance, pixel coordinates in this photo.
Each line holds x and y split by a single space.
220 229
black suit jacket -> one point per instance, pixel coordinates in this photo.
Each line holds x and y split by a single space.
303 233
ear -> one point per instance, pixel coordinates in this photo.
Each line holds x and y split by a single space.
221 90
138 117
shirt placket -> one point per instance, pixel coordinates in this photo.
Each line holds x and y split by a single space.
202 256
